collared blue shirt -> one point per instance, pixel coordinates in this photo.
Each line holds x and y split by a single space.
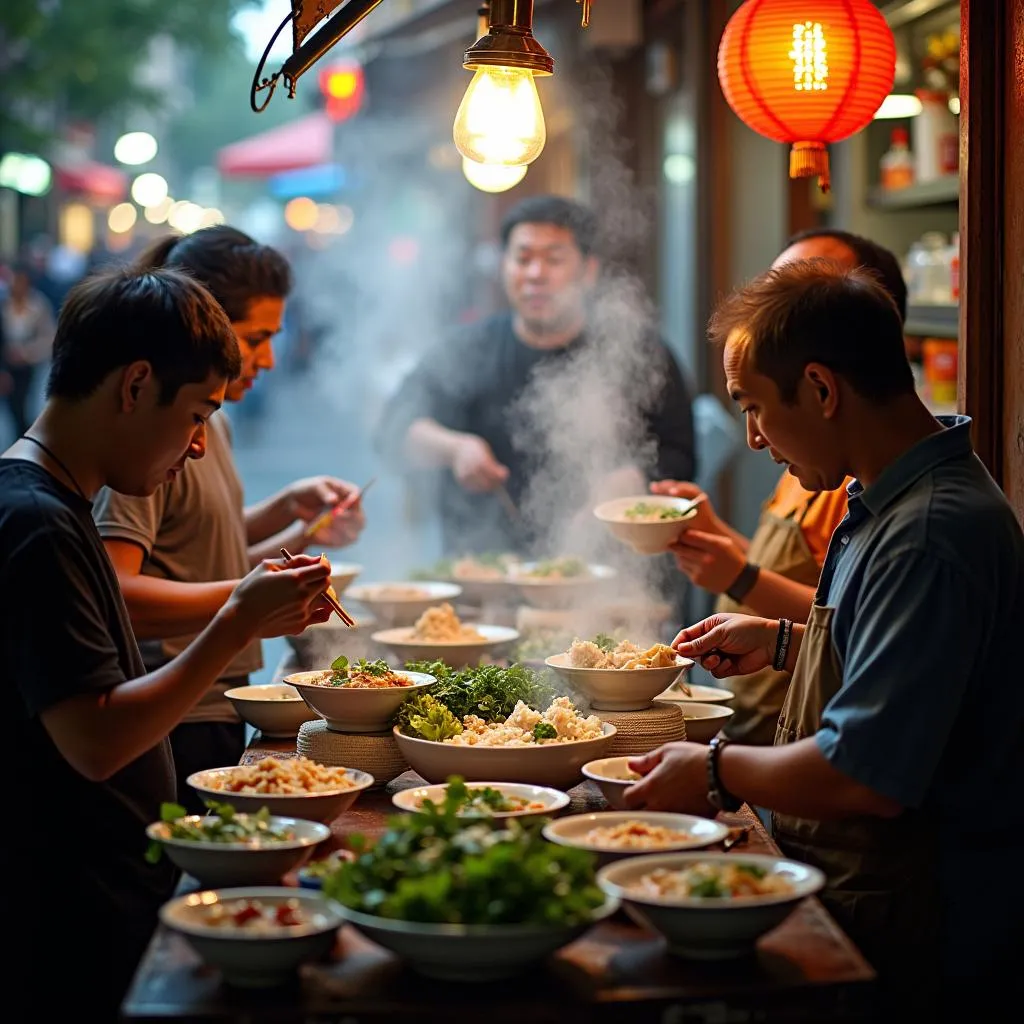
926 576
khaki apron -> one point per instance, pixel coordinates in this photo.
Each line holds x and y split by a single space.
780 546
882 879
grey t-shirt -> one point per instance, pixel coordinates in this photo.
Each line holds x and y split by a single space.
192 530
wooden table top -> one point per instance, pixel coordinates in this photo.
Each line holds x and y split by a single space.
806 969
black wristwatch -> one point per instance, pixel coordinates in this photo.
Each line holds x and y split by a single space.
718 796
744 583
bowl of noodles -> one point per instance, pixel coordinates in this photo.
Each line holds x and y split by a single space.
402 603
710 906
618 675
439 635
564 582
648 523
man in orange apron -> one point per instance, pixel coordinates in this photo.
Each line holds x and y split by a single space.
776 571
898 759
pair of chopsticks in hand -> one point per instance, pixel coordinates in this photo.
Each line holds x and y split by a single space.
328 597
340 509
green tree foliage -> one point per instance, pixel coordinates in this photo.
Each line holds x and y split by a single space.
80 57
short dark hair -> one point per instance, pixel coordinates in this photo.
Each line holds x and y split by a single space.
870 255
557 210
163 317
234 267
817 311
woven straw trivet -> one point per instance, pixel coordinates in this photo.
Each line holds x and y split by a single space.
638 732
376 753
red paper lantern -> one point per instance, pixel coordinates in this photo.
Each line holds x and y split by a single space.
807 72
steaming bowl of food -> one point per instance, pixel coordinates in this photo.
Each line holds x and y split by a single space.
484 578
648 523
490 800
402 603
710 906
439 635
561 582
505 753
618 676
276 709
357 697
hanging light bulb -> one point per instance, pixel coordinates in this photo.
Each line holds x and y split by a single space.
492 177
500 120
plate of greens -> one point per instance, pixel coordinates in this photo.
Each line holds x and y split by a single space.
494 800
491 722
468 900
226 848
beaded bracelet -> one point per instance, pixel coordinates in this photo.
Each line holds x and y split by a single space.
782 644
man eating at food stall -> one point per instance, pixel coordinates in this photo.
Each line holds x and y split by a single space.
140 363
775 572
898 755
456 411
180 551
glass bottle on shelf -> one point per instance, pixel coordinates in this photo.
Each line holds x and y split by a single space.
928 267
936 137
897 164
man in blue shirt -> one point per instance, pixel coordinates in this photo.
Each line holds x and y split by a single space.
898 758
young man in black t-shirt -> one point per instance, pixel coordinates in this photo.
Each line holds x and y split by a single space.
140 362
569 398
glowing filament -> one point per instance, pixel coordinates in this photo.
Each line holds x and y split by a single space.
810 57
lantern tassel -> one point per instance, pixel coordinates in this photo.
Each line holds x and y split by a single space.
807 159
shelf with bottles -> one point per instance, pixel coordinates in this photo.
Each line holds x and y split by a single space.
931 269
914 140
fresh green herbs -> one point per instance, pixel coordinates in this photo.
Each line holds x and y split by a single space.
224 825
647 510
473 801
490 692
342 671
435 867
544 731
605 642
426 717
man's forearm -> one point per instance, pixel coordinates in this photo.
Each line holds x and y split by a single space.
795 779
100 733
294 538
428 445
268 517
162 608
775 597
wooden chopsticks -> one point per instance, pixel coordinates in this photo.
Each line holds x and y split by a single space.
332 601
343 506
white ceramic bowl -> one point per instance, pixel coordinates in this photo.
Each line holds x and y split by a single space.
703 720
553 800
255 959
343 575
709 928
215 864
346 709
456 654
699 694
556 592
276 709
645 538
617 689
455 952
612 776
549 764
572 831
389 609
324 806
